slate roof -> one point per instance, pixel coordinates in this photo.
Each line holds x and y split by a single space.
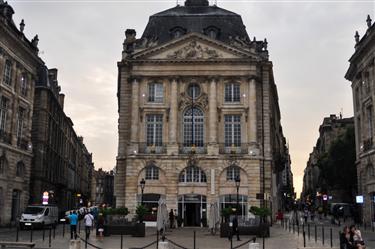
195 17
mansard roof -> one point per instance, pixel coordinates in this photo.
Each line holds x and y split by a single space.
195 16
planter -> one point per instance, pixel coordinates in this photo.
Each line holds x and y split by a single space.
225 230
139 230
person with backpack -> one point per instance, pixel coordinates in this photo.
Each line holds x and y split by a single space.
89 218
73 220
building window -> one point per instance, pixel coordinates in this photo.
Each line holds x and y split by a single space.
370 122
154 129
177 32
357 99
232 130
7 78
232 92
24 84
3 113
20 122
152 173
192 174
194 90
212 32
193 127
230 201
155 92
3 164
232 173
20 169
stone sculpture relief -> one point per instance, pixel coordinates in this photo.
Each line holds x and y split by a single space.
194 51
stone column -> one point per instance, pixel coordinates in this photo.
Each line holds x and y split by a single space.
252 118
173 118
134 117
213 148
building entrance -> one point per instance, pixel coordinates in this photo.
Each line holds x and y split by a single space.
192 209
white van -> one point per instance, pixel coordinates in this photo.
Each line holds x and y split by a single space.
39 216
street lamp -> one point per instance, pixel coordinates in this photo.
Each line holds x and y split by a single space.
237 181
142 183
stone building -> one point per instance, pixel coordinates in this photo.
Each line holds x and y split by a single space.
19 63
198 107
329 131
62 164
102 188
361 73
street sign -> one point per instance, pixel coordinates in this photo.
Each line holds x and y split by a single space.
359 199
45 198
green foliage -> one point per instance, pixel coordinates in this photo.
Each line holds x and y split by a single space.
226 212
262 212
141 211
337 167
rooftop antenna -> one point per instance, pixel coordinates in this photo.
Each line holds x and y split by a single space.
341 113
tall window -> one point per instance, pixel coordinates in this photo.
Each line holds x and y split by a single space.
192 174
154 129
232 92
20 121
370 121
232 130
20 169
155 92
23 85
7 78
3 113
3 164
193 127
152 173
233 172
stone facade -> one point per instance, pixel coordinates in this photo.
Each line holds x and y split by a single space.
19 63
361 73
330 130
62 164
194 72
102 188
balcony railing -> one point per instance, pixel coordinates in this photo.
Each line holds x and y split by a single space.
187 148
367 144
145 148
233 148
22 144
5 137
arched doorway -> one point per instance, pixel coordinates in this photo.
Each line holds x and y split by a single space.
192 209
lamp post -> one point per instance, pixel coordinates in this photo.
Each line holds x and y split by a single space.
237 181
142 183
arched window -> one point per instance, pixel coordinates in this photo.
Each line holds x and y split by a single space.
193 124
7 76
177 32
232 172
192 174
20 169
152 173
3 164
212 32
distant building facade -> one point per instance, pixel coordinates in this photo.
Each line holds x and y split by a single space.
62 164
19 63
198 107
361 73
102 191
329 131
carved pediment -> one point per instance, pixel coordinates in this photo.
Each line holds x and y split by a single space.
194 50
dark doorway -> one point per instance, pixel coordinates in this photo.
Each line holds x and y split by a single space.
192 214
16 196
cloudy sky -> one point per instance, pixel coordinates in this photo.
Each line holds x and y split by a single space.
310 43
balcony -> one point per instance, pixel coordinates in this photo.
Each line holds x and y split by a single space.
5 137
233 148
145 148
22 144
188 148
367 144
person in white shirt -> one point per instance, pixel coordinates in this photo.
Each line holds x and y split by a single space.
88 224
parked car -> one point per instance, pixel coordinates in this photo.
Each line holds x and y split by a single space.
39 216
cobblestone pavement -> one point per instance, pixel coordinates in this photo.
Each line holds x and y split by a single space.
280 239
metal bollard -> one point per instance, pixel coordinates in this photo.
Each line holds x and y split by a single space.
308 231
43 232
293 228
316 234
194 238
323 235
157 239
231 241
330 235
123 239
31 233
304 239
49 239
264 242
86 241
54 231
298 230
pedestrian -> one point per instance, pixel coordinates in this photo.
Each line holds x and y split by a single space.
73 220
88 224
279 216
345 239
235 228
101 226
171 219
356 237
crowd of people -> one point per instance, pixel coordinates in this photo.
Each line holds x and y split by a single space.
351 238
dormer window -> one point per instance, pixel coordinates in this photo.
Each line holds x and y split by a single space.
212 32
177 32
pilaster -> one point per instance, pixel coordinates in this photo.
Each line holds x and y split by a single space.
134 117
173 116
212 148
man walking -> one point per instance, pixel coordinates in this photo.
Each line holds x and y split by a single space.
73 219
235 230
88 224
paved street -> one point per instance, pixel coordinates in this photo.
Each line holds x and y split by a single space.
279 239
